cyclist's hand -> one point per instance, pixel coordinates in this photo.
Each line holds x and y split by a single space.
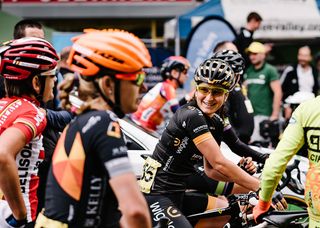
278 201
16 223
248 165
273 118
260 209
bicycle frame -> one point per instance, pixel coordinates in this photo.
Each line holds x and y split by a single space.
238 219
232 210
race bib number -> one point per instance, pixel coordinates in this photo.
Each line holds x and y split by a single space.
248 106
150 168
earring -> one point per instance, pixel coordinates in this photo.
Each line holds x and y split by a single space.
110 92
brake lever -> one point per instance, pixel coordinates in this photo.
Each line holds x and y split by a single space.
260 167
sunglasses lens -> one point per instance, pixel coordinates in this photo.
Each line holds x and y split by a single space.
135 78
140 79
204 90
214 91
217 92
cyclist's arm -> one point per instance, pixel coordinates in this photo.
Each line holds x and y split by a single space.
12 141
214 174
217 163
277 96
132 204
240 148
107 139
240 114
58 119
173 104
291 142
186 98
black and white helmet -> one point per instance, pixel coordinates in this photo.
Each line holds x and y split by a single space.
216 72
235 60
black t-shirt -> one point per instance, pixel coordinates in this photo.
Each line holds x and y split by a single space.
240 117
177 152
90 151
242 41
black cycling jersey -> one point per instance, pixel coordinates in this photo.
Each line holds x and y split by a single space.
240 148
172 167
90 152
240 117
176 153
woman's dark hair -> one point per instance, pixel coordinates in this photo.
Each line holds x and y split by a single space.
20 88
219 45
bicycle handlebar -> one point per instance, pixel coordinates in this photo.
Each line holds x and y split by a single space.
288 171
244 199
233 208
285 179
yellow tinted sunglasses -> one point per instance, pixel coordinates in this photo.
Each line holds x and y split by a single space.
136 78
215 91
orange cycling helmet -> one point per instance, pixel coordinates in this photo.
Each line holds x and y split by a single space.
115 50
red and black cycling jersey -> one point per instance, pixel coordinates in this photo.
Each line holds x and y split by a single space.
90 152
177 152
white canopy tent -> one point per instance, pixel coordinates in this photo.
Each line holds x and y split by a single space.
282 19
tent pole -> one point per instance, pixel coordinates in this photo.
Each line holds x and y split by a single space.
177 38
153 33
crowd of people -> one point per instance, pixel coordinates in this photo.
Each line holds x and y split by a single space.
66 165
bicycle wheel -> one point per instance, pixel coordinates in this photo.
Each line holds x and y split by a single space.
295 203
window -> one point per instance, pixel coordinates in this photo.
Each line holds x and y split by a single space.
131 144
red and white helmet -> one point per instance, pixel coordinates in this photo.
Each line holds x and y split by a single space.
25 57
173 62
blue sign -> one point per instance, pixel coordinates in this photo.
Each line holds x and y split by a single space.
202 40
62 39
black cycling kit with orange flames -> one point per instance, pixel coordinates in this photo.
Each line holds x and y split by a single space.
90 152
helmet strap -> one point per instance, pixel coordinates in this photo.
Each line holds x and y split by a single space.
178 81
116 108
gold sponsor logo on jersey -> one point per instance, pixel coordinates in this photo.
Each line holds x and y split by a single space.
114 130
176 142
173 212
